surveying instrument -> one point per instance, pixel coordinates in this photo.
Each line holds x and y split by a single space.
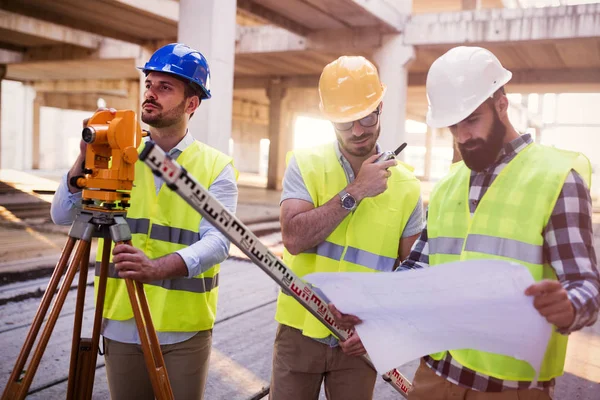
112 140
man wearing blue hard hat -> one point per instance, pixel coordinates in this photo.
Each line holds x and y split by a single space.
174 250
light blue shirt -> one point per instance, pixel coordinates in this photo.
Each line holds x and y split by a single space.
211 249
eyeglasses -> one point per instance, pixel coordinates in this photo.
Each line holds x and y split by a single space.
366 122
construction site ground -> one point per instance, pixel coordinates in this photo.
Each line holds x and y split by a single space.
240 364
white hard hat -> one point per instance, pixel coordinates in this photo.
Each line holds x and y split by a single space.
460 81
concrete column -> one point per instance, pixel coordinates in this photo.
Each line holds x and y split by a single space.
38 102
393 59
275 93
2 75
428 150
209 27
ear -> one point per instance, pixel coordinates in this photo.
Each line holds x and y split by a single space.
193 104
380 107
502 105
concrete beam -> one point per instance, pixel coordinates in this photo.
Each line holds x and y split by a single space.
262 82
270 39
538 78
9 56
388 12
165 9
271 16
47 30
106 49
114 87
504 25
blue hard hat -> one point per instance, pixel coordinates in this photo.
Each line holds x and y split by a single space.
183 61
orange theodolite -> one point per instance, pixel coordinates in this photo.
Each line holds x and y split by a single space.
112 141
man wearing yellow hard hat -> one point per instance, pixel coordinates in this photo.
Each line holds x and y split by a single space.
340 211
510 199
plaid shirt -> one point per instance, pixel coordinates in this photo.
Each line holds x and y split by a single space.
567 247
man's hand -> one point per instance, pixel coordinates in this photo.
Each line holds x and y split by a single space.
371 179
344 321
552 302
132 263
353 345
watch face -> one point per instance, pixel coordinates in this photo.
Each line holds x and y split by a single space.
348 202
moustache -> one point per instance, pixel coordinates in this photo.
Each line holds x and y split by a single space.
360 139
471 143
155 104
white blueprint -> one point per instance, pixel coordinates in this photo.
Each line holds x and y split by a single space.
478 304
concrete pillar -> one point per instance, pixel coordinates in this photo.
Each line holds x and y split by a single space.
428 150
2 75
209 27
38 102
275 93
393 59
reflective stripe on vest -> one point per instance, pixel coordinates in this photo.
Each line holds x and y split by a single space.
508 224
496 246
199 285
366 240
354 255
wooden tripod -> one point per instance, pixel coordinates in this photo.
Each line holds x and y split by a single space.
112 226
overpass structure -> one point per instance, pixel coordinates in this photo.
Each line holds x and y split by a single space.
266 56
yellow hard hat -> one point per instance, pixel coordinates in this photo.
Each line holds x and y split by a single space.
349 89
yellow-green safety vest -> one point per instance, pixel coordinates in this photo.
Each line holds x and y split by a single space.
508 224
160 225
365 241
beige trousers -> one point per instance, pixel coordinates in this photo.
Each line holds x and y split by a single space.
186 363
300 364
427 385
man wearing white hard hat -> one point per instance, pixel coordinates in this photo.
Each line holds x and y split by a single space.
510 199
340 211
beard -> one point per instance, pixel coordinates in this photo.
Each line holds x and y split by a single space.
365 149
158 119
486 152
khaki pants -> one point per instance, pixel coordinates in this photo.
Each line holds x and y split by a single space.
186 363
427 385
300 364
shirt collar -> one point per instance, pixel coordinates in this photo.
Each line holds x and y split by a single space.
510 150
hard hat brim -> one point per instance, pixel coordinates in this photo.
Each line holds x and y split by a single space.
357 115
205 93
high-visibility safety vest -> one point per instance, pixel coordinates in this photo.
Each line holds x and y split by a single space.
508 224
162 224
365 241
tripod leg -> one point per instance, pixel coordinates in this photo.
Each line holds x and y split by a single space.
79 344
15 388
150 346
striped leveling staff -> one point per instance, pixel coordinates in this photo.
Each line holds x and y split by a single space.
186 186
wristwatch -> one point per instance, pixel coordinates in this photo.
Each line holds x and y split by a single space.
348 201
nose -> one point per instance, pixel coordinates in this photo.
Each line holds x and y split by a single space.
462 134
149 93
357 129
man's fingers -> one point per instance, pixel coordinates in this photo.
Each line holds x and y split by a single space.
544 286
124 248
549 299
127 266
126 257
556 308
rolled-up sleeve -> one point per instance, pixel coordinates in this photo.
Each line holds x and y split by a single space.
65 204
213 246
568 246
